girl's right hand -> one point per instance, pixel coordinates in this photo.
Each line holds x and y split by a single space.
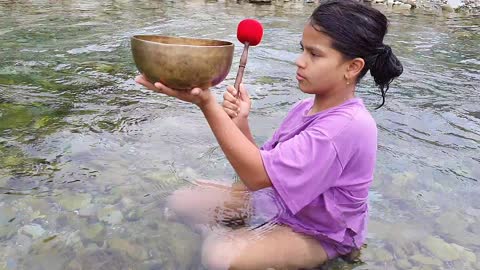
236 108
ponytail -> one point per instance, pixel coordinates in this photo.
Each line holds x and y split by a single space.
384 69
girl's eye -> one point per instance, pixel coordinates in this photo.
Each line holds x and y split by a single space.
301 48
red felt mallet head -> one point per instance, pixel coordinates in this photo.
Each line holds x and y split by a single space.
250 31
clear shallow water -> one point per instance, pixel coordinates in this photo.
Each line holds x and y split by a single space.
87 156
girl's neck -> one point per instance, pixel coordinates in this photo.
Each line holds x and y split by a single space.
324 102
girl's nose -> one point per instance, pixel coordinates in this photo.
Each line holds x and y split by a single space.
300 62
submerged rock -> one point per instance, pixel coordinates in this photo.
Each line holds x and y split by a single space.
92 231
101 259
7 216
73 202
174 246
456 226
110 215
50 261
403 264
403 179
7 231
33 230
425 260
451 223
87 211
134 251
440 249
465 254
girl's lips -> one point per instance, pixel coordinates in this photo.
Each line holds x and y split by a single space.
300 77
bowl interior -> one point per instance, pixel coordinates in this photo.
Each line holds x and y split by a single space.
183 41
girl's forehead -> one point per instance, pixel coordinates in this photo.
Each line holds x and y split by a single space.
313 37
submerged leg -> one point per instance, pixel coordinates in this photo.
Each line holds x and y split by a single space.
209 202
278 248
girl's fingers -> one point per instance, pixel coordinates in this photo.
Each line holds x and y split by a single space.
229 105
196 95
196 91
232 90
231 113
227 96
164 89
140 79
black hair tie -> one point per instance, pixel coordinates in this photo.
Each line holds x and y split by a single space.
372 59
385 50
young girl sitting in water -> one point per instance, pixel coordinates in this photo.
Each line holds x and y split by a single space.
318 165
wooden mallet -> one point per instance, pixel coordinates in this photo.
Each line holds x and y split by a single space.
249 32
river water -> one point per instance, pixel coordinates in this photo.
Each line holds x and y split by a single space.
87 156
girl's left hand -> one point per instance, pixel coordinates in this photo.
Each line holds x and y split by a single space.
196 96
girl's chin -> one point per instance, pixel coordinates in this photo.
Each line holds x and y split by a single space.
304 89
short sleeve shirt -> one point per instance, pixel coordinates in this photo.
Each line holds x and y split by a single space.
321 167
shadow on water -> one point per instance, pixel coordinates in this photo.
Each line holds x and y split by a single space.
88 157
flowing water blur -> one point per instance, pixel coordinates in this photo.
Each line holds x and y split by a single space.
87 156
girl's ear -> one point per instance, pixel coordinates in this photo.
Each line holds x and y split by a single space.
354 68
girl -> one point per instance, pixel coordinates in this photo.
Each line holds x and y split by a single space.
319 164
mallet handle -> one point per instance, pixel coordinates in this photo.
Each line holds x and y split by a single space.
241 69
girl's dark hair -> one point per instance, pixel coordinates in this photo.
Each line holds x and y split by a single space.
357 31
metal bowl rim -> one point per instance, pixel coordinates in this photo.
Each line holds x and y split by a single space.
136 37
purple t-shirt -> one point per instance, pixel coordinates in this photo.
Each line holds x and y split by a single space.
321 167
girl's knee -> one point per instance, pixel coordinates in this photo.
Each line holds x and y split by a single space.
197 204
225 250
216 255
178 202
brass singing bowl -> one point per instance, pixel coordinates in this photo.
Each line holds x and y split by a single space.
182 63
